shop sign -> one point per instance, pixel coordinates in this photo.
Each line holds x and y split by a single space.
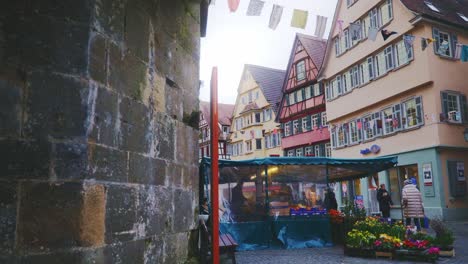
428 179
375 149
460 171
359 201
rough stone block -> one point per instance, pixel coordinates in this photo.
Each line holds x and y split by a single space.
174 174
98 58
10 107
57 106
126 252
155 211
146 170
127 73
165 137
154 250
137 30
70 160
183 213
24 159
8 201
52 216
121 213
106 119
110 18
107 164
136 133
176 248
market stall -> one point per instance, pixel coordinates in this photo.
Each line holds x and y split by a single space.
281 202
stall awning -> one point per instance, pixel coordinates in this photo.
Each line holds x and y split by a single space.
313 168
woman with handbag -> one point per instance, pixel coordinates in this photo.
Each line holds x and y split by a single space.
412 204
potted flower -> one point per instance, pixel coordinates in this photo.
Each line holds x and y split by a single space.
444 238
359 243
337 228
385 246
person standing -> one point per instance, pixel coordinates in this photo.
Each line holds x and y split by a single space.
413 207
330 200
385 201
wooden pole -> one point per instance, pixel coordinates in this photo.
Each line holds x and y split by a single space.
214 166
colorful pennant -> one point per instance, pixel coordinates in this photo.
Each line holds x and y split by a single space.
386 34
320 27
299 18
233 5
373 31
275 16
355 31
255 8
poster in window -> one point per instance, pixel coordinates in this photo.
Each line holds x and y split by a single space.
460 171
428 180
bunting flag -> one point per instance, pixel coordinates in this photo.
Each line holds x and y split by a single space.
464 53
386 34
444 46
275 16
359 125
373 31
233 5
423 43
255 8
299 18
320 27
340 26
408 40
458 49
355 31
395 123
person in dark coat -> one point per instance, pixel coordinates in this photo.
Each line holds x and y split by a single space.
385 201
330 200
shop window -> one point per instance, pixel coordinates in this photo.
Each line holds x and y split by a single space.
300 70
397 177
357 187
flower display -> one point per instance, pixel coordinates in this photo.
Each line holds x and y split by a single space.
415 244
433 251
360 239
386 243
336 216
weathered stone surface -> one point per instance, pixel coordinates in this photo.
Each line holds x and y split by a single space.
183 213
8 196
164 137
146 170
107 164
10 107
154 250
70 160
105 128
98 58
51 216
110 18
155 212
24 159
126 252
56 106
176 248
121 213
137 30
134 126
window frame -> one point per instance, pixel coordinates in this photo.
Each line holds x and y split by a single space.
420 119
302 72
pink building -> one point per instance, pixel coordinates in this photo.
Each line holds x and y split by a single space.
224 124
302 108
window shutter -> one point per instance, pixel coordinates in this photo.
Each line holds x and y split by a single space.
322 150
454 44
435 34
291 128
464 109
319 119
457 188
419 110
299 126
308 122
444 98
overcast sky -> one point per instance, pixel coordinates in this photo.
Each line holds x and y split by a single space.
234 39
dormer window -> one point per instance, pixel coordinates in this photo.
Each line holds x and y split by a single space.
432 7
463 17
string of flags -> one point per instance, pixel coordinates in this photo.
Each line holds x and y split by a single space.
299 17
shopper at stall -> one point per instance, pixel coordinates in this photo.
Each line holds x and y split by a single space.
385 201
412 204
330 200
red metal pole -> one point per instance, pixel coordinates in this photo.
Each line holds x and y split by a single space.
214 165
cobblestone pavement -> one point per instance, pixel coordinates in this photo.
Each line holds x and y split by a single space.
335 254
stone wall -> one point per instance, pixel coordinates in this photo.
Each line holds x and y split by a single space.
96 165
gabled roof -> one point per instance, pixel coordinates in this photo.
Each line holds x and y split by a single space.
448 10
270 81
251 106
224 112
315 47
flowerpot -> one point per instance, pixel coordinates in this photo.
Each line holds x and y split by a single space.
384 254
415 255
358 252
447 253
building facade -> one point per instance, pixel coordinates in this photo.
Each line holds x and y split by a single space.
224 127
401 98
302 108
254 132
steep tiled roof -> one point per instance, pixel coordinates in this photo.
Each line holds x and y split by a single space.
270 81
251 106
224 112
448 10
315 47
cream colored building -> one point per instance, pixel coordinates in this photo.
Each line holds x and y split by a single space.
386 98
254 132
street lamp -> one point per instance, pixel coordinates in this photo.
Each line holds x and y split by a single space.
466 134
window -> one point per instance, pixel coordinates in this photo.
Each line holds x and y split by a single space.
355 76
342 135
355 134
454 107
374 18
299 152
317 151
403 54
367 128
291 153
445 42
314 122
258 143
386 13
317 90
296 127
328 91
463 17
391 119
239 123
292 98
300 71
267 114
337 46
333 137
346 39
324 119
379 61
350 2
306 123
365 27
370 67
412 112
299 96
364 73
432 7
258 117
308 151
248 145
388 51
257 94
327 150
268 141
287 129
308 92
